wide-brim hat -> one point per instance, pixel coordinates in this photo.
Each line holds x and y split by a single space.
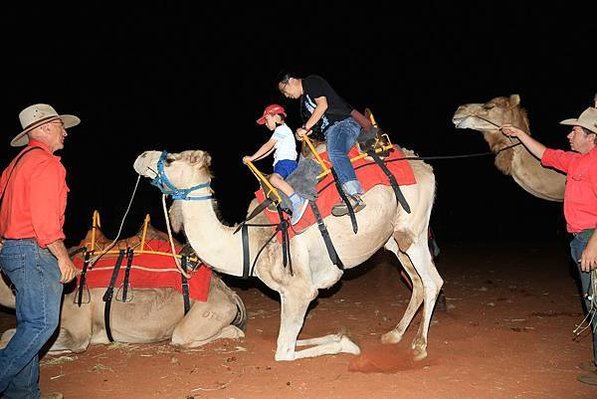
588 120
37 115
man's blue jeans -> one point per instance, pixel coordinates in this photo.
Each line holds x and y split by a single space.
577 245
35 275
340 137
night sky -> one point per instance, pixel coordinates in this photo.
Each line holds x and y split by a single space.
163 75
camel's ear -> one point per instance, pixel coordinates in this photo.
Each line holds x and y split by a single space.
201 158
514 100
175 213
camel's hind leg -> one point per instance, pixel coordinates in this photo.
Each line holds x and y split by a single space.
427 284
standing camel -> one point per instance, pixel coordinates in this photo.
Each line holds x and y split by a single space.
382 223
525 169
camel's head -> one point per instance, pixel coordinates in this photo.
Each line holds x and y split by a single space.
489 116
184 170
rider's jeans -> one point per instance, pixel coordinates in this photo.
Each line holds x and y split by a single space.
340 137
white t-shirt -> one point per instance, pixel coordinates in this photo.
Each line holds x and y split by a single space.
285 144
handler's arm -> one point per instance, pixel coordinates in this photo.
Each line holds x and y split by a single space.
534 147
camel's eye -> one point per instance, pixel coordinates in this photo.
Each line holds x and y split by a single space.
169 160
488 106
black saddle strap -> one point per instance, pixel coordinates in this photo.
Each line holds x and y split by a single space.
246 249
107 298
83 279
326 236
185 285
353 218
129 262
399 196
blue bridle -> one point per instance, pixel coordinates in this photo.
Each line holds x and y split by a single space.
166 186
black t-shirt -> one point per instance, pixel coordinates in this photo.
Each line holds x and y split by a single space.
338 109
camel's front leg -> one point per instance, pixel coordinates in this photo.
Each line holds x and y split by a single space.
294 304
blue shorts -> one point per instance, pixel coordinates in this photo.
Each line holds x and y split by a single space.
285 167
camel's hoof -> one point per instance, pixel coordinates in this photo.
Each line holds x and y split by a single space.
391 337
348 346
284 357
419 354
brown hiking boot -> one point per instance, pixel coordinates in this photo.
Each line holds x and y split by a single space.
590 378
341 209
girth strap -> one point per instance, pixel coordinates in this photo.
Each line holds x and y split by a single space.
326 236
107 298
83 279
185 285
397 192
129 262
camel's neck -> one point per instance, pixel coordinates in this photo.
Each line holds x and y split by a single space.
213 242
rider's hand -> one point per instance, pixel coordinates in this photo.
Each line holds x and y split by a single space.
300 133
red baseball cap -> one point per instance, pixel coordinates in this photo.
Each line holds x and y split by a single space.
272 109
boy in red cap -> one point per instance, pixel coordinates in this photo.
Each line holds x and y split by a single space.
283 145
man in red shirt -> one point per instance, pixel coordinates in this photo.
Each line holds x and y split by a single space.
33 256
580 205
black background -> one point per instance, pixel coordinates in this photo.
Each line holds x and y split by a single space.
177 76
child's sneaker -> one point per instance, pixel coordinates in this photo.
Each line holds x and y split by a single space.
298 211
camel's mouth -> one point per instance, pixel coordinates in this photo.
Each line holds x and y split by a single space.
145 166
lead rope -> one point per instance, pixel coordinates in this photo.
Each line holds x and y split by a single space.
172 249
109 247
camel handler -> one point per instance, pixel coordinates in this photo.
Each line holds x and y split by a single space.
33 256
580 204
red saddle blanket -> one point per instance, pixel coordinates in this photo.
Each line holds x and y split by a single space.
368 173
148 271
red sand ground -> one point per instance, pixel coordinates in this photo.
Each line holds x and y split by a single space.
507 334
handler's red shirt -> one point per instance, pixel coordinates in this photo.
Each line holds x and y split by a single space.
35 199
580 196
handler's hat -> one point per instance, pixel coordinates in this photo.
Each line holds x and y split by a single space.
271 109
37 115
588 120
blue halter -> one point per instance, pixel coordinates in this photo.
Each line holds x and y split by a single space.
166 186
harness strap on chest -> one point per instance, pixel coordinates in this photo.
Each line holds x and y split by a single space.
107 298
329 245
